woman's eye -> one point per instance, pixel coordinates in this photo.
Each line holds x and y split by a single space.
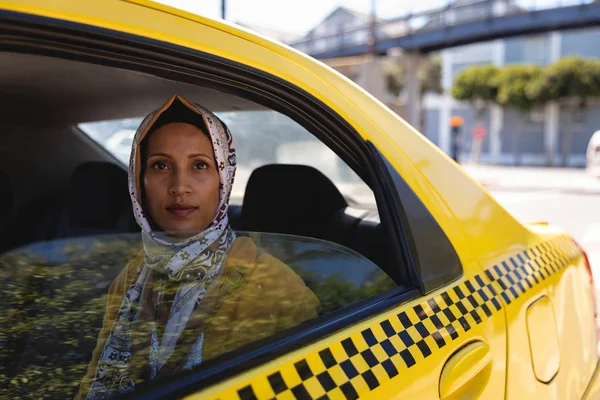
160 165
200 165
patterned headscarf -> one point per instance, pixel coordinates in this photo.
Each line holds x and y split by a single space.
190 263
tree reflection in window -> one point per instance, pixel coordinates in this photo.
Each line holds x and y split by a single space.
54 298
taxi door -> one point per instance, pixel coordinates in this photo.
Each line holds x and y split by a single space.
442 336
551 336
449 343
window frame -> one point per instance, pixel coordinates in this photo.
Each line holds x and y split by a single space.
433 270
26 33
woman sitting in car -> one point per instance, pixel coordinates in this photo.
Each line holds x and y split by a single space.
196 291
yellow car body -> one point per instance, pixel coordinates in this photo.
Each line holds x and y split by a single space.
518 323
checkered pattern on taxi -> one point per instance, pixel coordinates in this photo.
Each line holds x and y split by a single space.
364 360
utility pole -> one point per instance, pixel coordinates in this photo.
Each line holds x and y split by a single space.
373 29
223 9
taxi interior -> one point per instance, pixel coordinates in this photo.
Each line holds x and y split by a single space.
58 183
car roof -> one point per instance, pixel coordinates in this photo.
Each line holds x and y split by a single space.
68 92
447 191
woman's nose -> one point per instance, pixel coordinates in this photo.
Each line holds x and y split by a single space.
180 184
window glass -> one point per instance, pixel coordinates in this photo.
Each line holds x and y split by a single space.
261 137
57 293
115 136
83 296
71 313
535 50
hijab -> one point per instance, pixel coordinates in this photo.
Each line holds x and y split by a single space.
188 264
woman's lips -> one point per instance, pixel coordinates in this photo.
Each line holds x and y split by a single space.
181 209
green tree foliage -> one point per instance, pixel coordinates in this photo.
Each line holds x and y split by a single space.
570 82
54 300
476 85
512 83
394 77
335 292
430 79
430 76
52 313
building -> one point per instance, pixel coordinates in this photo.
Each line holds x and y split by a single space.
280 36
541 131
461 11
345 28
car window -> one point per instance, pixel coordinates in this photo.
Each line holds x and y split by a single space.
66 292
261 137
57 293
116 136
72 252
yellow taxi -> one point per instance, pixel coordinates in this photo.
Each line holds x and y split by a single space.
429 288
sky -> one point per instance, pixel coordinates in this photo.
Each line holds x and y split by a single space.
296 16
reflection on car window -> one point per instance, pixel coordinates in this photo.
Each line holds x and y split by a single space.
61 300
261 137
337 275
54 297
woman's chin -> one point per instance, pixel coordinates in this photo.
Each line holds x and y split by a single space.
181 231
181 234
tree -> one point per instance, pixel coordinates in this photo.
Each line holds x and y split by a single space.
53 310
54 299
430 79
394 77
477 86
430 76
570 82
512 86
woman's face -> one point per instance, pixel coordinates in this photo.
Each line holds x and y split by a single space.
181 179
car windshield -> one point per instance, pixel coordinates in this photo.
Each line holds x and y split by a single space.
56 295
261 137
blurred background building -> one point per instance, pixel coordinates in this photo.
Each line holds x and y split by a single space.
463 34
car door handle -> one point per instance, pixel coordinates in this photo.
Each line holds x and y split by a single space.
467 372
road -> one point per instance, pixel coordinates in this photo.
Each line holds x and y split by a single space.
568 198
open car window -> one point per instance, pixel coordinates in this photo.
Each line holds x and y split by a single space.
261 137
318 249
57 293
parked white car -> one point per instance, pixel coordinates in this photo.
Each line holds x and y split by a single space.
593 155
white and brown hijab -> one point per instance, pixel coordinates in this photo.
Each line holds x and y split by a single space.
188 265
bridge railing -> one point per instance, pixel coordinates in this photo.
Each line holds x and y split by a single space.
423 21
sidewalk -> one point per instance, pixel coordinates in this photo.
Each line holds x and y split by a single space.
533 178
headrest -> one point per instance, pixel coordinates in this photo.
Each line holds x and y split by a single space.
294 199
6 197
97 195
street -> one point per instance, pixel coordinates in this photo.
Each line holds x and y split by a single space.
568 198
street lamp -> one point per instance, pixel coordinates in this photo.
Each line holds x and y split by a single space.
223 9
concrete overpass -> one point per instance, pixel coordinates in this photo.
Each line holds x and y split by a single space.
458 24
